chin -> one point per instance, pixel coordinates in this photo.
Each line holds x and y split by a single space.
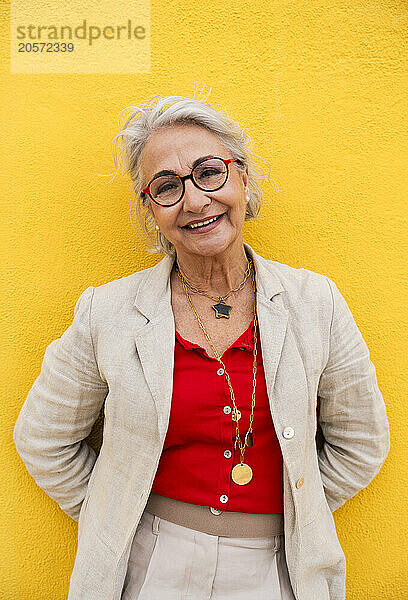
209 247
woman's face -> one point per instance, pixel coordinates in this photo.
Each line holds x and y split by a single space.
176 148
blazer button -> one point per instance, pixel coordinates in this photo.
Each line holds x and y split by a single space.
215 511
300 482
288 432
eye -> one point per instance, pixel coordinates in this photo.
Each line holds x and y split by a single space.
165 187
210 171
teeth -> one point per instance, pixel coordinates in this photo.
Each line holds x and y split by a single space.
194 225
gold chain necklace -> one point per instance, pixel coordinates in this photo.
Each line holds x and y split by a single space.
221 308
241 473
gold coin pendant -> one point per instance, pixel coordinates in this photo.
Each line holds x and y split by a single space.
241 474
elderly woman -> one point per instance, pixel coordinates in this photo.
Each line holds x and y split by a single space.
214 369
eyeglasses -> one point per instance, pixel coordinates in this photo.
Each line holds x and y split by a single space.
208 175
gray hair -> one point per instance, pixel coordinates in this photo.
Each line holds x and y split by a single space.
159 112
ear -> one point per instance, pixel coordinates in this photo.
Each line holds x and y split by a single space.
245 180
147 204
143 201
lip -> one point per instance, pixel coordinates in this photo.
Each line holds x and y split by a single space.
200 220
206 228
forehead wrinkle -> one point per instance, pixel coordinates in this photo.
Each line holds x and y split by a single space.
189 166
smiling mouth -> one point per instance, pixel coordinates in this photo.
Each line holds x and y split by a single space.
203 223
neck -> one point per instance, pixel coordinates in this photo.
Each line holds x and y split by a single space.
215 274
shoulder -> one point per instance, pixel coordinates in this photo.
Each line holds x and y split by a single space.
311 299
300 283
119 293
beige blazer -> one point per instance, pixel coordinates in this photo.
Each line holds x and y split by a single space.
118 355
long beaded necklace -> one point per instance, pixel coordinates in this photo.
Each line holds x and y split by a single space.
241 473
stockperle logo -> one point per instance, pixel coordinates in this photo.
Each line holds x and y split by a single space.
80 37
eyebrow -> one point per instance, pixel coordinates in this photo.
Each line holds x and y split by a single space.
168 172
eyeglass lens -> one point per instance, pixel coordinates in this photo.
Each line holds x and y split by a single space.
208 175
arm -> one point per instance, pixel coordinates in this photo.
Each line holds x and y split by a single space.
59 411
352 411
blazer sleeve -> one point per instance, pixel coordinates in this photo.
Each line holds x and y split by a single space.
352 412
59 411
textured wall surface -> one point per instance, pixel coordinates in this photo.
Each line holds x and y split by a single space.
321 88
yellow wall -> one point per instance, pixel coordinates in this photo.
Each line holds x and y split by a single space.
322 89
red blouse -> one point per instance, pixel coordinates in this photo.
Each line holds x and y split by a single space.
198 453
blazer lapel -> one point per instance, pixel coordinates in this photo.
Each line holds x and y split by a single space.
272 319
283 365
156 338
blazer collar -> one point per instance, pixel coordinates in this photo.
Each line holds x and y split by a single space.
154 294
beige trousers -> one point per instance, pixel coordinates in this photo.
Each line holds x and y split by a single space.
171 562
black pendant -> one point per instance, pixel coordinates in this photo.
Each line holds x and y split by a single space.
249 441
222 310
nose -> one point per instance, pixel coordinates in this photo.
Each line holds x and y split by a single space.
194 199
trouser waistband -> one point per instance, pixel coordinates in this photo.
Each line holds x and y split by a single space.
213 521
